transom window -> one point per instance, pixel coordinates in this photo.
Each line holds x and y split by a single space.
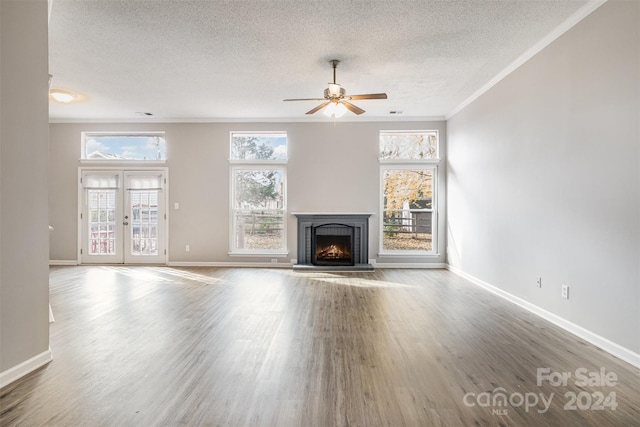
149 146
259 146
408 170
408 145
258 192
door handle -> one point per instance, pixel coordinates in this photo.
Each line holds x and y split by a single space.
125 223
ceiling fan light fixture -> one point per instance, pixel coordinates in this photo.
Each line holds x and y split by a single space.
330 109
339 110
334 89
335 109
335 102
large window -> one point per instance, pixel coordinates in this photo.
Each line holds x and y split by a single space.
258 201
408 168
149 146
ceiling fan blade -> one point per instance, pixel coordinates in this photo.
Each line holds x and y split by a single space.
319 107
305 99
353 108
368 96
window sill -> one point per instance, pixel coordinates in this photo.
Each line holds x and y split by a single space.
257 162
409 161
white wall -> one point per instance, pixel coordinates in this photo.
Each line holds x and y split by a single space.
24 247
543 178
332 167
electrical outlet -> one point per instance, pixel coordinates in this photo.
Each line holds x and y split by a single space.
565 291
187 248
539 282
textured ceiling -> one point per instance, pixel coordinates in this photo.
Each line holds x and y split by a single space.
237 60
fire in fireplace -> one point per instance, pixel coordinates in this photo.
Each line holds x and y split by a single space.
332 244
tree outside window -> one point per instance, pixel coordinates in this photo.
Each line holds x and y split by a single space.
407 209
258 206
408 169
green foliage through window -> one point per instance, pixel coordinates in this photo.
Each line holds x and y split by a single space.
258 205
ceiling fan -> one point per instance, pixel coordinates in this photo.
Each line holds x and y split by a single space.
335 99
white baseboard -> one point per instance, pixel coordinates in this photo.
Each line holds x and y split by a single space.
617 350
24 368
63 262
290 265
272 264
231 264
410 265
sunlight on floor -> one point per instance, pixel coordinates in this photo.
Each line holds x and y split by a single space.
189 275
351 281
137 273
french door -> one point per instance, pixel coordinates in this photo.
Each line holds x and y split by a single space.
123 217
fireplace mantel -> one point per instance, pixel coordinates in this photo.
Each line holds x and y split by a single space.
309 220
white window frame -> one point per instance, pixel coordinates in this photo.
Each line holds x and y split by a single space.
89 134
257 161
412 164
256 164
435 160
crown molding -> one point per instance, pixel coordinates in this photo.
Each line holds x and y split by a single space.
55 120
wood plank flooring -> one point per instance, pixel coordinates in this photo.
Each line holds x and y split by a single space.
161 346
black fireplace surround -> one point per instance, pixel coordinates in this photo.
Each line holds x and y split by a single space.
333 241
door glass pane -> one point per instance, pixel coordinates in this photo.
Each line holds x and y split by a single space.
101 221
143 222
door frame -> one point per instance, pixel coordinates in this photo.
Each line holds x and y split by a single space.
122 170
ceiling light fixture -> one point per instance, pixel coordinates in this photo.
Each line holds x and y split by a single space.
335 109
63 96
334 89
335 101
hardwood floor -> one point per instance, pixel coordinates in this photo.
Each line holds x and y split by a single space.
161 346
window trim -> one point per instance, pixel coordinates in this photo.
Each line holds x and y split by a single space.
411 164
436 159
233 251
258 161
87 134
434 210
257 164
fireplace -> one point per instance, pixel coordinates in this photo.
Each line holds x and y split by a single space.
332 244
333 241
